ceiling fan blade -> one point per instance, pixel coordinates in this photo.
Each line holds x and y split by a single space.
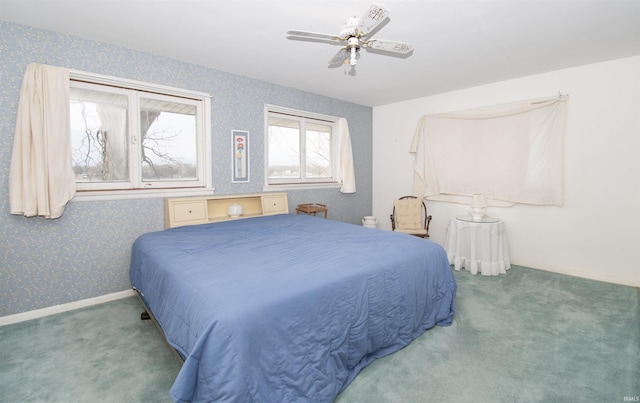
339 58
389 46
376 14
315 35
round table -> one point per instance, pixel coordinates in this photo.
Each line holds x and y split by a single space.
480 246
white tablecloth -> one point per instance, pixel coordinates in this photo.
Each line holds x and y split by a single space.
478 247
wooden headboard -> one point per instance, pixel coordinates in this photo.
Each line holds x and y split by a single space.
201 210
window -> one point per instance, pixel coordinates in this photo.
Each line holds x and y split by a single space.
136 138
300 148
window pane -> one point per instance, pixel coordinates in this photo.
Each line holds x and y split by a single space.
99 136
284 148
169 143
318 151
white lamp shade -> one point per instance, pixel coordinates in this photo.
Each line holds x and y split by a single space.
478 206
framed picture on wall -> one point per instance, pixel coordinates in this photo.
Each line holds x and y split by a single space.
240 156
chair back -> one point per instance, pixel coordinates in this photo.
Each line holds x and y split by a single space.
410 216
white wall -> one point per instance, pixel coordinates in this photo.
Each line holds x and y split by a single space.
596 234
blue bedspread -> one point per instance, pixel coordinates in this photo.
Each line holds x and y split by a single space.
287 308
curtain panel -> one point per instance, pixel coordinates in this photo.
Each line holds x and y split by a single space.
41 179
510 153
346 172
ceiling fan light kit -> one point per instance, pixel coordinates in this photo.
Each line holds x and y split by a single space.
353 36
353 46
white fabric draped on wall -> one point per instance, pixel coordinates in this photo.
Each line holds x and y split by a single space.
41 181
346 171
510 153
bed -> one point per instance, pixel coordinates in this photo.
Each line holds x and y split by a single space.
287 308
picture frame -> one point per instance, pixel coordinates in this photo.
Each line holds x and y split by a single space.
239 156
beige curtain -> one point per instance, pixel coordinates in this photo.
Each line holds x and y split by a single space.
346 171
41 180
510 153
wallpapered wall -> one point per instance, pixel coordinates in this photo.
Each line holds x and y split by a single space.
86 252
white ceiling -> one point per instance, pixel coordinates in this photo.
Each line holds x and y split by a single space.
457 44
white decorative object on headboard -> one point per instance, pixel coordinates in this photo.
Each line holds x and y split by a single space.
235 210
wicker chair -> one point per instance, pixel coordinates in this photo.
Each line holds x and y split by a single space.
410 216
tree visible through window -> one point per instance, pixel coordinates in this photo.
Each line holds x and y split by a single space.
168 137
300 147
132 139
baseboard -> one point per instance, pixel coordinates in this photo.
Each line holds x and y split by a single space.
52 310
590 276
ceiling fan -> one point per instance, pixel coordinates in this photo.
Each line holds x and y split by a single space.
354 35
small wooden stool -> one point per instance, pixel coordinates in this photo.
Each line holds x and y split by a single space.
312 208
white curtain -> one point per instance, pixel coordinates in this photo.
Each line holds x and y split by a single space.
510 153
41 181
346 172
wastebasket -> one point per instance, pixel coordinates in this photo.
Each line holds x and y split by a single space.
370 221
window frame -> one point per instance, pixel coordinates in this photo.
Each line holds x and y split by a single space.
303 182
145 189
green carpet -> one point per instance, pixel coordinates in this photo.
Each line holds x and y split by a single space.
103 353
528 336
